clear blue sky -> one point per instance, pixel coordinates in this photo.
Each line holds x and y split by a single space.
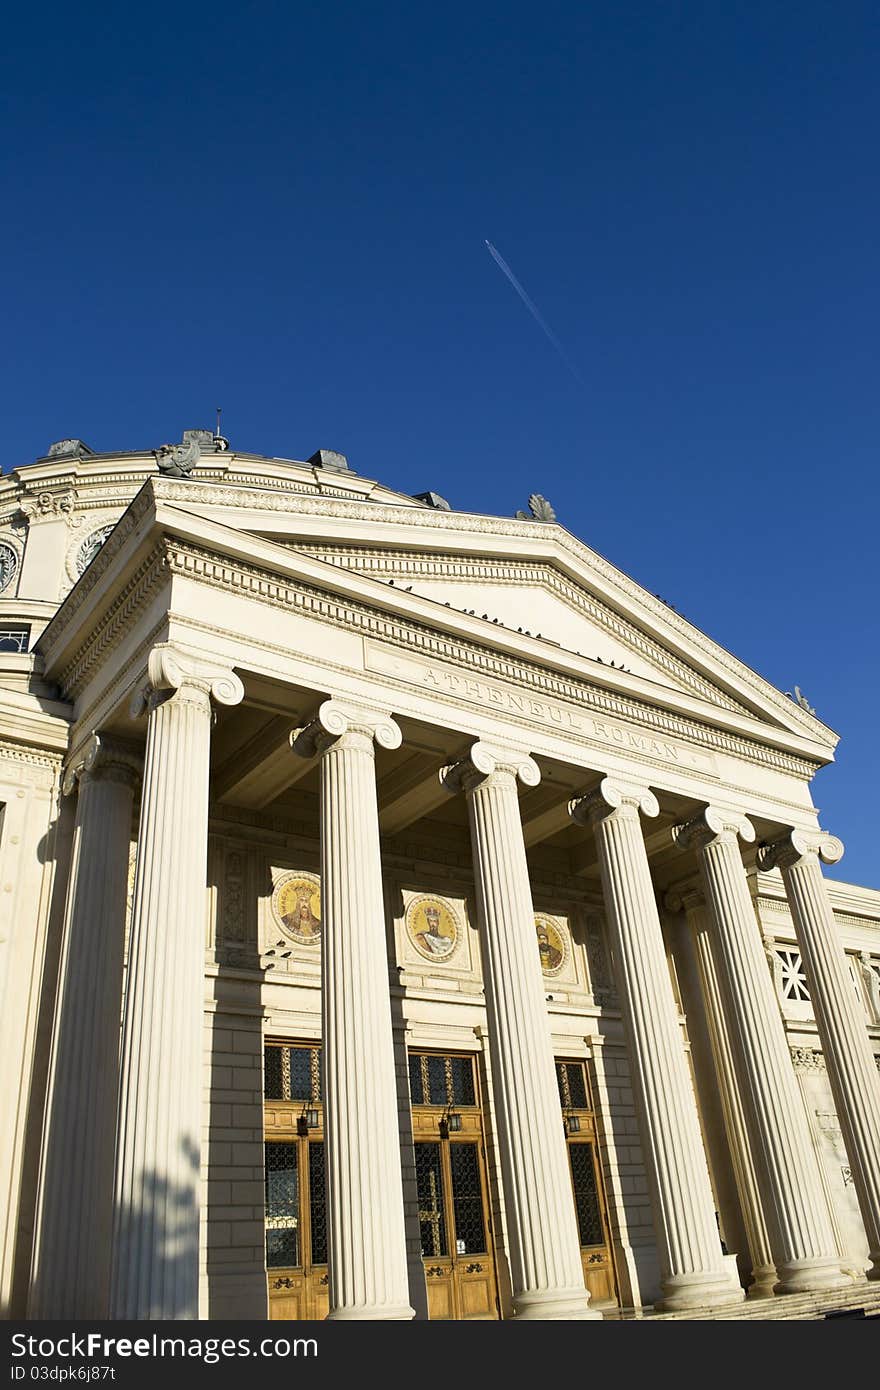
281 209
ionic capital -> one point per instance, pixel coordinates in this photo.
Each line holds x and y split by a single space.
489 761
103 758
800 845
171 669
611 795
685 898
710 824
356 725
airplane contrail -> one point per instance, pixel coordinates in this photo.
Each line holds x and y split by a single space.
533 310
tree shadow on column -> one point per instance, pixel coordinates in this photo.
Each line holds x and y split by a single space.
163 1232
55 845
418 1294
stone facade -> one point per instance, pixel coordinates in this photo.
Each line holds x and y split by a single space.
288 762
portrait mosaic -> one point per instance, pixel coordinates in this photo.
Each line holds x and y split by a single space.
296 906
552 945
433 928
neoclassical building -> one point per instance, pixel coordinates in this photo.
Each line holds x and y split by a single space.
404 914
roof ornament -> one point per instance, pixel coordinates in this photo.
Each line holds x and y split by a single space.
329 459
179 460
800 699
539 508
432 499
220 442
68 449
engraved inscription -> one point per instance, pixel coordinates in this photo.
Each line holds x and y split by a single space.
551 714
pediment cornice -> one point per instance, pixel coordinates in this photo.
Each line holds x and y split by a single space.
271 565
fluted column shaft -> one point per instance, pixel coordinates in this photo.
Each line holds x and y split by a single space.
846 1048
748 1187
692 1268
543 1248
365 1222
155 1264
72 1255
801 1239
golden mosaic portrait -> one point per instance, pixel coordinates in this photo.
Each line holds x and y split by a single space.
551 944
432 927
296 904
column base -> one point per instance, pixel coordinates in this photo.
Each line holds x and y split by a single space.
808 1276
555 1305
764 1281
377 1313
873 1272
684 1291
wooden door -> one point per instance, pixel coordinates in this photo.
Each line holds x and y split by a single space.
456 1236
586 1180
296 1224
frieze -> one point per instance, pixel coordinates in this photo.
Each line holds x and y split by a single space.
202 565
376 563
807 1059
132 600
466 523
96 570
31 756
550 714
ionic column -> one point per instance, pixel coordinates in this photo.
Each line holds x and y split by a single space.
855 1083
693 1273
72 1250
802 1243
155 1263
545 1262
747 1186
365 1226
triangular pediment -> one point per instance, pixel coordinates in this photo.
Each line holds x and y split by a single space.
541 583
536 600
530 593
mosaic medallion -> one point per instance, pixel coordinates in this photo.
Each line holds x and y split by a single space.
296 905
433 928
551 944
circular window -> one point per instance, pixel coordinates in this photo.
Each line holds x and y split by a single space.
90 547
8 564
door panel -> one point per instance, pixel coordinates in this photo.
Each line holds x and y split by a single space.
451 1182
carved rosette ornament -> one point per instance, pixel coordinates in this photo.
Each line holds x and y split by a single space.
47 506
839 1019
693 1272
801 1239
